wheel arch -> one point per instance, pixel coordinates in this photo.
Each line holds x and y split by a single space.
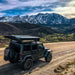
46 53
26 57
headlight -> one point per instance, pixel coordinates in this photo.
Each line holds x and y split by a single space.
50 50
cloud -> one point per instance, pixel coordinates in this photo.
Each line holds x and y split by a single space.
68 10
2 14
21 7
17 3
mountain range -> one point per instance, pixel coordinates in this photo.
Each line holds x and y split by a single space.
40 18
40 23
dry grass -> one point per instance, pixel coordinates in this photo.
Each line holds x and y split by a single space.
65 69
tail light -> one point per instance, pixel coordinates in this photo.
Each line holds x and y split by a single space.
20 56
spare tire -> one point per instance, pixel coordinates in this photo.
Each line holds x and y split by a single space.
11 55
6 54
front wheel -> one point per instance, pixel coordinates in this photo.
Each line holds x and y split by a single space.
27 64
48 58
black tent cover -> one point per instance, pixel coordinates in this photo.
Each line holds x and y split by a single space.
22 37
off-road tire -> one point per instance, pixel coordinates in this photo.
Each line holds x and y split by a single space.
11 60
27 64
12 57
48 58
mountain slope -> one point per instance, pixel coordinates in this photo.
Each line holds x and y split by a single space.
5 28
71 30
55 21
45 19
72 21
24 28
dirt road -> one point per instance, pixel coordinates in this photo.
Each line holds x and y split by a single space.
63 52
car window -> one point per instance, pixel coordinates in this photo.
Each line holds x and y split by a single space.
27 47
40 46
34 47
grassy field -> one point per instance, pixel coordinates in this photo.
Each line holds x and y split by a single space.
57 38
45 38
67 69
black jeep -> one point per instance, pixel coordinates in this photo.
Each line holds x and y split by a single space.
25 49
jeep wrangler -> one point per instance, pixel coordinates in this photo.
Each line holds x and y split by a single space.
25 49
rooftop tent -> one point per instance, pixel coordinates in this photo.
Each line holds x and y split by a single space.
22 37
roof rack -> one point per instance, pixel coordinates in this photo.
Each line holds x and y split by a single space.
22 37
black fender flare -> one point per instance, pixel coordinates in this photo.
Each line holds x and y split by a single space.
46 53
28 56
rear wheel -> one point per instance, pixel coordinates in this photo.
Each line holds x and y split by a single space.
27 64
48 58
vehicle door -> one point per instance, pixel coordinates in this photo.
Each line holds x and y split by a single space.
26 49
34 51
41 50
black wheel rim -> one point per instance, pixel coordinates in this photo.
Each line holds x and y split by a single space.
28 64
49 57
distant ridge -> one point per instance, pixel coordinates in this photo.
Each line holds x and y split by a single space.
24 28
45 19
52 21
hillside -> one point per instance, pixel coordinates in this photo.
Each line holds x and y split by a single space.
24 28
71 30
40 18
72 21
56 21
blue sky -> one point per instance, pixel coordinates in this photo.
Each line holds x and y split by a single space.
31 7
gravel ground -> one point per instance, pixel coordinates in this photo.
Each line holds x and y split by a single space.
63 52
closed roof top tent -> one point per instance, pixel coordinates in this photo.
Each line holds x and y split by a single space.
22 37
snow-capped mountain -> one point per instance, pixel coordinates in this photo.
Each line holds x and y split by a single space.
37 19
72 21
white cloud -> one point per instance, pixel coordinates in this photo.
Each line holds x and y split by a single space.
2 14
16 3
63 7
68 11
